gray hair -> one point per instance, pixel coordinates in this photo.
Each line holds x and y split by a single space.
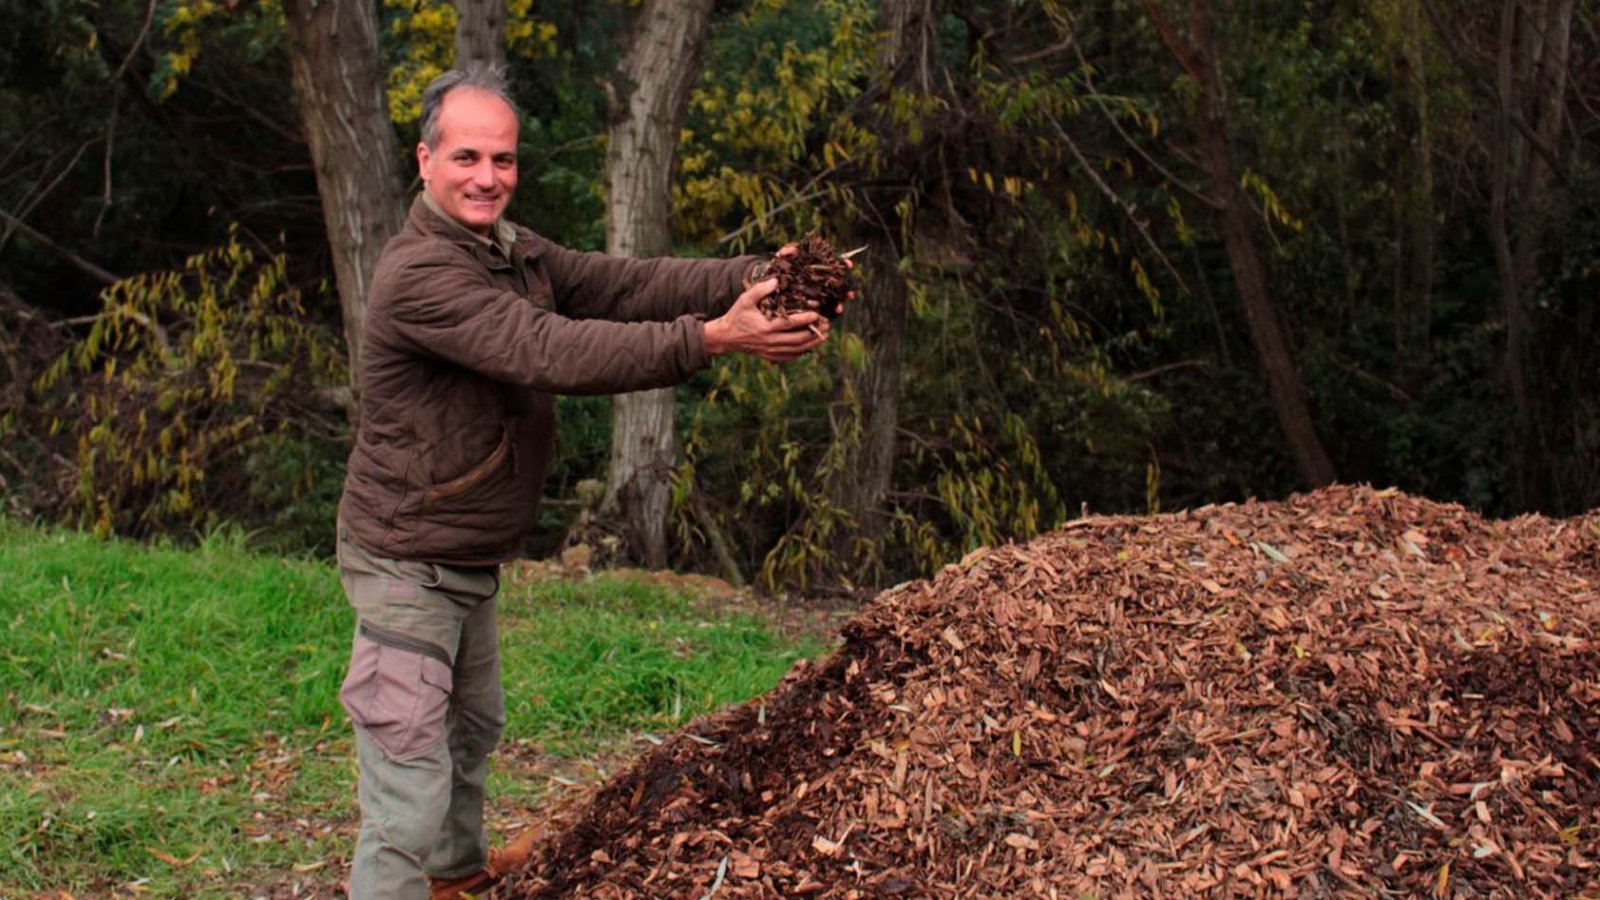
485 78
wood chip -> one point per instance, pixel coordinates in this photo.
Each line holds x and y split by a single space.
1364 694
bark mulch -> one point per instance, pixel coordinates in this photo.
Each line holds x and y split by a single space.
1352 693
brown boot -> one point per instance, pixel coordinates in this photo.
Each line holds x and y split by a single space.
502 862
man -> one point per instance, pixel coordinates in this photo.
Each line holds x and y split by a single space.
473 324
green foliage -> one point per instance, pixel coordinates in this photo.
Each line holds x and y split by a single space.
1074 333
746 147
1007 405
189 386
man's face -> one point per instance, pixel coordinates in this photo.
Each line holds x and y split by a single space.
472 171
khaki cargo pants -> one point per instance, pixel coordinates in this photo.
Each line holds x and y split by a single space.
424 694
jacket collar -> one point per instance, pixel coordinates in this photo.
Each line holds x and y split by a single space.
431 220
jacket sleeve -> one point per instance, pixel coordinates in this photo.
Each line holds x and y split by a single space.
625 289
445 306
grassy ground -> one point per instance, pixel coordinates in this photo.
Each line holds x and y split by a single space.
169 723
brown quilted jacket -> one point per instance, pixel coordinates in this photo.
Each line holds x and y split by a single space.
465 348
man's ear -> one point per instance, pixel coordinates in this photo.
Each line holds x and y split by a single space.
424 158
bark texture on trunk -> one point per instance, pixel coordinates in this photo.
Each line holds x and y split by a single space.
656 75
1201 58
865 426
866 423
1415 229
1531 82
480 34
333 48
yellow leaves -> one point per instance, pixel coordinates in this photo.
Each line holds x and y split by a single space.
834 153
527 36
183 25
1141 278
427 40
165 362
425 32
758 115
1013 186
1256 186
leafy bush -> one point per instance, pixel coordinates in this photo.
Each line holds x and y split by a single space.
198 397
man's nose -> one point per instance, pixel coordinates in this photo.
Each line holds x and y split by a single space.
483 174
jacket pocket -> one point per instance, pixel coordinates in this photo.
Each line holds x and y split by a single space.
474 476
399 695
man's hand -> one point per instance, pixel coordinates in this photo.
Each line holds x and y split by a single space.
744 328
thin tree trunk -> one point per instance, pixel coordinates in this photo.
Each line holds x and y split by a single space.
864 432
1551 45
480 34
1415 229
1535 43
1201 58
865 427
660 68
333 48
1502 164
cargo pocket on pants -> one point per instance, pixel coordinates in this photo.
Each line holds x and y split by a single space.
397 695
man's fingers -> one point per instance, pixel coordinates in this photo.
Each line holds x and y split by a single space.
758 290
790 329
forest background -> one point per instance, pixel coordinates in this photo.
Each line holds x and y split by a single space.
1122 255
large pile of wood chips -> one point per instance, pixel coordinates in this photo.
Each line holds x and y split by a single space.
1350 693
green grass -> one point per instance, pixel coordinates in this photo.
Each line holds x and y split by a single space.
169 717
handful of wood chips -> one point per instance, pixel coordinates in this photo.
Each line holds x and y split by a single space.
814 278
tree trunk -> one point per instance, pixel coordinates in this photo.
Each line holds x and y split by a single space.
1415 230
1502 163
656 75
1267 332
1530 84
333 47
1548 42
480 34
864 430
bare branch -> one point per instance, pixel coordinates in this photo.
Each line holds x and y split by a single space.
1066 43
1181 51
15 224
111 120
105 165
5 162
803 194
15 220
1169 367
1117 201
149 17
1111 119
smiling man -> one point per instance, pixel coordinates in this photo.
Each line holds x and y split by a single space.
468 158
473 325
